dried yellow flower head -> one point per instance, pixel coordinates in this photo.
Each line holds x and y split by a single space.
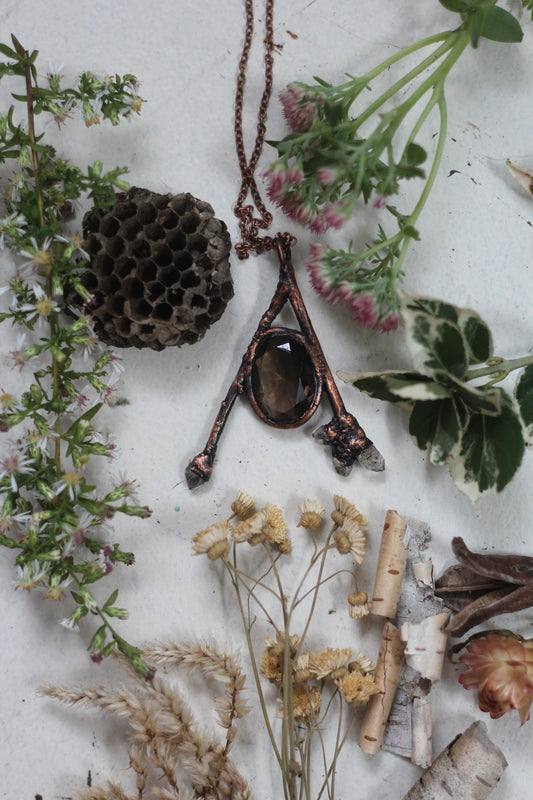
306 701
357 688
265 525
301 670
361 664
212 540
346 511
271 667
275 528
243 505
330 664
311 515
275 645
358 604
285 547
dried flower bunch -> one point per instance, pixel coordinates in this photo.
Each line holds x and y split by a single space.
172 754
330 162
309 683
52 516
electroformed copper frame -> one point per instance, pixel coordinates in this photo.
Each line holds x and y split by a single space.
343 433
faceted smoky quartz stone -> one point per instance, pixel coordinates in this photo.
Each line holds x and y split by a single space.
283 379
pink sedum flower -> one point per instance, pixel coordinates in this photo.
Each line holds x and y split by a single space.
300 106
332 216
326 176
500 668
319 275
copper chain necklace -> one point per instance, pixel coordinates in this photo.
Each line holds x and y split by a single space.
284 371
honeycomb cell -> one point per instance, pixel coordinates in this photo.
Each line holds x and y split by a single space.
109 225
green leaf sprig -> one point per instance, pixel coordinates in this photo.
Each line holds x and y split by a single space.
342 151
51 515
456 410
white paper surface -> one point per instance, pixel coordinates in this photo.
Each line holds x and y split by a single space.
475 251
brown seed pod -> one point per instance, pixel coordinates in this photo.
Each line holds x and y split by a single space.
159 269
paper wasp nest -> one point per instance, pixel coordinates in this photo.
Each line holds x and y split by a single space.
159 271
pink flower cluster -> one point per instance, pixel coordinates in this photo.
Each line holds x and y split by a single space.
363 306
282 189
300 107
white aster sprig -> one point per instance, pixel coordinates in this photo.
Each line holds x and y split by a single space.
51 516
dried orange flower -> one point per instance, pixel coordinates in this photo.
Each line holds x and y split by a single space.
346 511
212 540
330 663
243 505
500 668
306 702
357 688
311 514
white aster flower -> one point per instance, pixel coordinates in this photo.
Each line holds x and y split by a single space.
31 576
14 464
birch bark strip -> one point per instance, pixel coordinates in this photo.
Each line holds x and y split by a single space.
425 645
387 675
421 732
392 561
467 769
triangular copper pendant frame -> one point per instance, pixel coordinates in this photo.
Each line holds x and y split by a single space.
343 433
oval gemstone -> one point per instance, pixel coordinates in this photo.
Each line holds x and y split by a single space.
283 379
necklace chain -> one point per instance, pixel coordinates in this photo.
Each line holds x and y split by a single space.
251 225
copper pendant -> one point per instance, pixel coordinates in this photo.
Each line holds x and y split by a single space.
284 373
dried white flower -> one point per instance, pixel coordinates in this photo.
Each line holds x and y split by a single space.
212 540
311 514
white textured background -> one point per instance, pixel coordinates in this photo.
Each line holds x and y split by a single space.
475 250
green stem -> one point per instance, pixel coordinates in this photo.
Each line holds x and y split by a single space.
441 141
42 222
389 62
450 44
502 368
435 81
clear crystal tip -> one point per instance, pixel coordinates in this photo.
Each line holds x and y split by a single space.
370 458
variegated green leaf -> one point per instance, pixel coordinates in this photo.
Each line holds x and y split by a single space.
475 331
490 453
436 345
477 335
524 398
486 401
417 387
437 425
377 384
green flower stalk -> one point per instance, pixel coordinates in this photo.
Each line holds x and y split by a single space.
332 160
51 514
